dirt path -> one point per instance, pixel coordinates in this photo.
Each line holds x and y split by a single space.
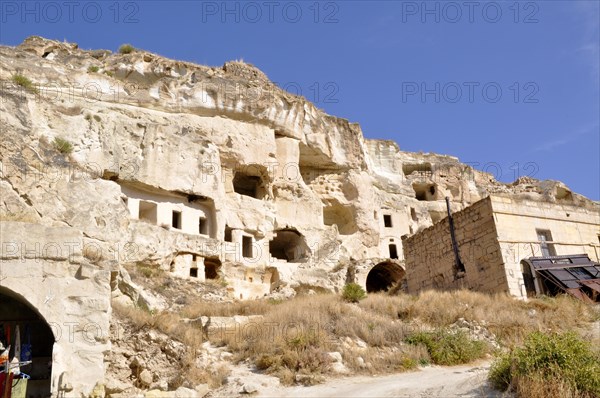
434 381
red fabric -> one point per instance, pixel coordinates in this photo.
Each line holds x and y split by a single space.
7 388
7 334
2 381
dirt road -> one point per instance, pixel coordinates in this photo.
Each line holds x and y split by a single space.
435 381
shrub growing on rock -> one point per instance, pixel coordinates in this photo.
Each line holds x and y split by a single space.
447 347
353 293
126 49
555 364
62 145
24 82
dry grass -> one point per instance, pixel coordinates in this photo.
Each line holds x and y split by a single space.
141 272
190 335
21 216
538 386
214 377
168 323
294 338
301 331
198 307
509 319
385 360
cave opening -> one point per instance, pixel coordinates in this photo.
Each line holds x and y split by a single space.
384 276
212 267
289 245
342 216
425 191
250 182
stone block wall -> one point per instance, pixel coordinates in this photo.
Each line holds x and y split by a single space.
429 257
574 230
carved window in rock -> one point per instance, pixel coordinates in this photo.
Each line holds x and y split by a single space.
387 220
228 234
247 247
413 214
393 251
148 212
203 226
176 219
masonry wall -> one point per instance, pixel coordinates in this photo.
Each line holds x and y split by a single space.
574 230
429 257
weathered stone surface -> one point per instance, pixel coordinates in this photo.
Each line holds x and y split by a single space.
493 236
41 264
146 378
249 388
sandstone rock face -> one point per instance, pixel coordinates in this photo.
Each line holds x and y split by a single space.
45 266
207 173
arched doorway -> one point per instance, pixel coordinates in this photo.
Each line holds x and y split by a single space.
528 279
212 268
383 276
34 330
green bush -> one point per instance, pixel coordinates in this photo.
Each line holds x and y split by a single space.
24 82
126 49
93 69
555 359
449 347
353 293
62 145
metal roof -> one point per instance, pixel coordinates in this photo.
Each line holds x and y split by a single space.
574 274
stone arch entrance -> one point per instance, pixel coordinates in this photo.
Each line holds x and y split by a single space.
528 279
15 311
383 276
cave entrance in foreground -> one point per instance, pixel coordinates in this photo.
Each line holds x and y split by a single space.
383 276
34 330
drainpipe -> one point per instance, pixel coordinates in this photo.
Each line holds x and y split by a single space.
459 266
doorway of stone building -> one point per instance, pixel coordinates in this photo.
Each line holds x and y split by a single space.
34 331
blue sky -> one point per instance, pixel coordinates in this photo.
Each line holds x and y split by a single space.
510 87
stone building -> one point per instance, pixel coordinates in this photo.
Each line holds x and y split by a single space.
494 236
